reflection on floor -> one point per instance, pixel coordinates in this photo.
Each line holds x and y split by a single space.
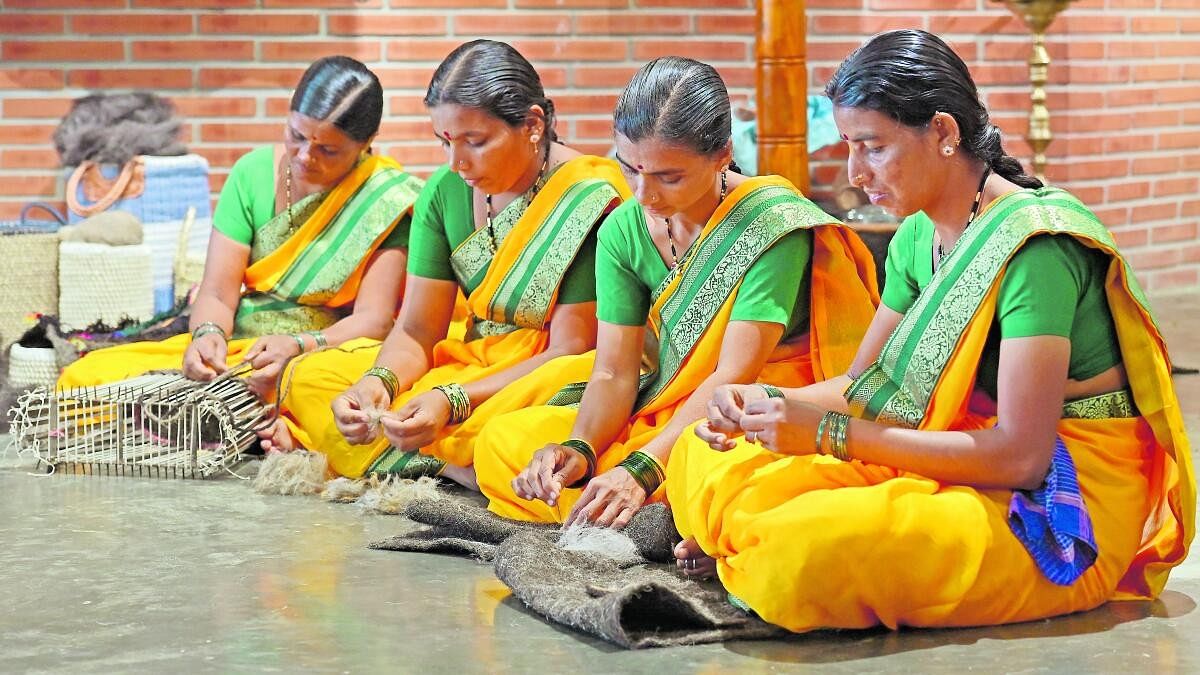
122 574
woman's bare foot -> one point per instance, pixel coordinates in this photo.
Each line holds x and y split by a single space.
463 475
692 561
277 437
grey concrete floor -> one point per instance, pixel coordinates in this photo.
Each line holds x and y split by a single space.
132 575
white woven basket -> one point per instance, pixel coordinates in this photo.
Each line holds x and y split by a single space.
97 282
31 367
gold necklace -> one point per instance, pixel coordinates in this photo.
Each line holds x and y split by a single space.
287 187
537 186
674 257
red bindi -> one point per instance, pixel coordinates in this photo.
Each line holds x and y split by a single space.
845 137
446 134
639 167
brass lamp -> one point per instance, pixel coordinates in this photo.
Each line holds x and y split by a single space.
1038 15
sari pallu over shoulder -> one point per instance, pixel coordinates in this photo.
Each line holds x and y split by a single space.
926 371
298 281
521 279
691 308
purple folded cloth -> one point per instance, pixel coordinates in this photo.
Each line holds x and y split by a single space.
1052 522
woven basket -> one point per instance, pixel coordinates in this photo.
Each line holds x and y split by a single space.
105 283
31 367
28 270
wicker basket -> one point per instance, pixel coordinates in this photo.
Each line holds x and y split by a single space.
105 283
31 367
28 270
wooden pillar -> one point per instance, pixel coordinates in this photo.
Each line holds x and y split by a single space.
782 95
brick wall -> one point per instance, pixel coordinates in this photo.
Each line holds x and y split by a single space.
1124 94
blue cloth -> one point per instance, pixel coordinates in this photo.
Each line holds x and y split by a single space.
1053 524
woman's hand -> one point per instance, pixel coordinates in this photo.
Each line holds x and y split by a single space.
724 414
782 426
268 356
418 423
354 411
551 468
204 358
609 500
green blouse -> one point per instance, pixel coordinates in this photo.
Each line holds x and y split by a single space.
1053 285
629 269
247 200
443 218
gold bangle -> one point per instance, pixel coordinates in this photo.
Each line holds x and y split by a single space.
820 440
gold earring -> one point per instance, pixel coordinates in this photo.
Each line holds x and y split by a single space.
534 138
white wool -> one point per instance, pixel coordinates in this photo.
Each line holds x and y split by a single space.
600 540
343 489
390 496
291 473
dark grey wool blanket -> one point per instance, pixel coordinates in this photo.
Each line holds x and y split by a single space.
636 601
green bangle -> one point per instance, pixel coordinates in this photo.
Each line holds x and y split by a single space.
820 441
589 453
318 337
460 402
839 436
385 375
299 342
772 390
645 469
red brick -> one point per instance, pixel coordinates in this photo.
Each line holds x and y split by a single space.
28 24
726 24
512 24
1185 94
1154 258
572 4
196 4
27 186
259 24
861 24
214 106
401 78
241 132
1127 143
221 157
310 50
669 24
1180 49
1104 168
1191 162
1116 98
1077 22
1158 164
48 4
1071 121
1140 49
592 128
1079 74
1112 216
978 24
407 105
40 158
1156 72
142 78
421 50
736 76
250 78
1166 233
193 50
830 51
417 154
339 4
1180 278
939 5
1165 187
1161 117
835 4
585 104
602 76
60 50
1132 4
31 78
1156 211
992 74
54 108
1179 140
406 130
703 50
702 4
1191 254
1154 24
127 23
598 148
1127 238
385 24
26 134
572 50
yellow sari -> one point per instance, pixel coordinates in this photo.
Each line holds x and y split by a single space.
812 542
756 214
509 313
295 281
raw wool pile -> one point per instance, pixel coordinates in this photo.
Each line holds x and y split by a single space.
304 473
113 128
604 583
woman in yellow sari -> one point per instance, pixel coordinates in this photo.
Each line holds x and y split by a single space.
509 222
315 231
1009 446
740 278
